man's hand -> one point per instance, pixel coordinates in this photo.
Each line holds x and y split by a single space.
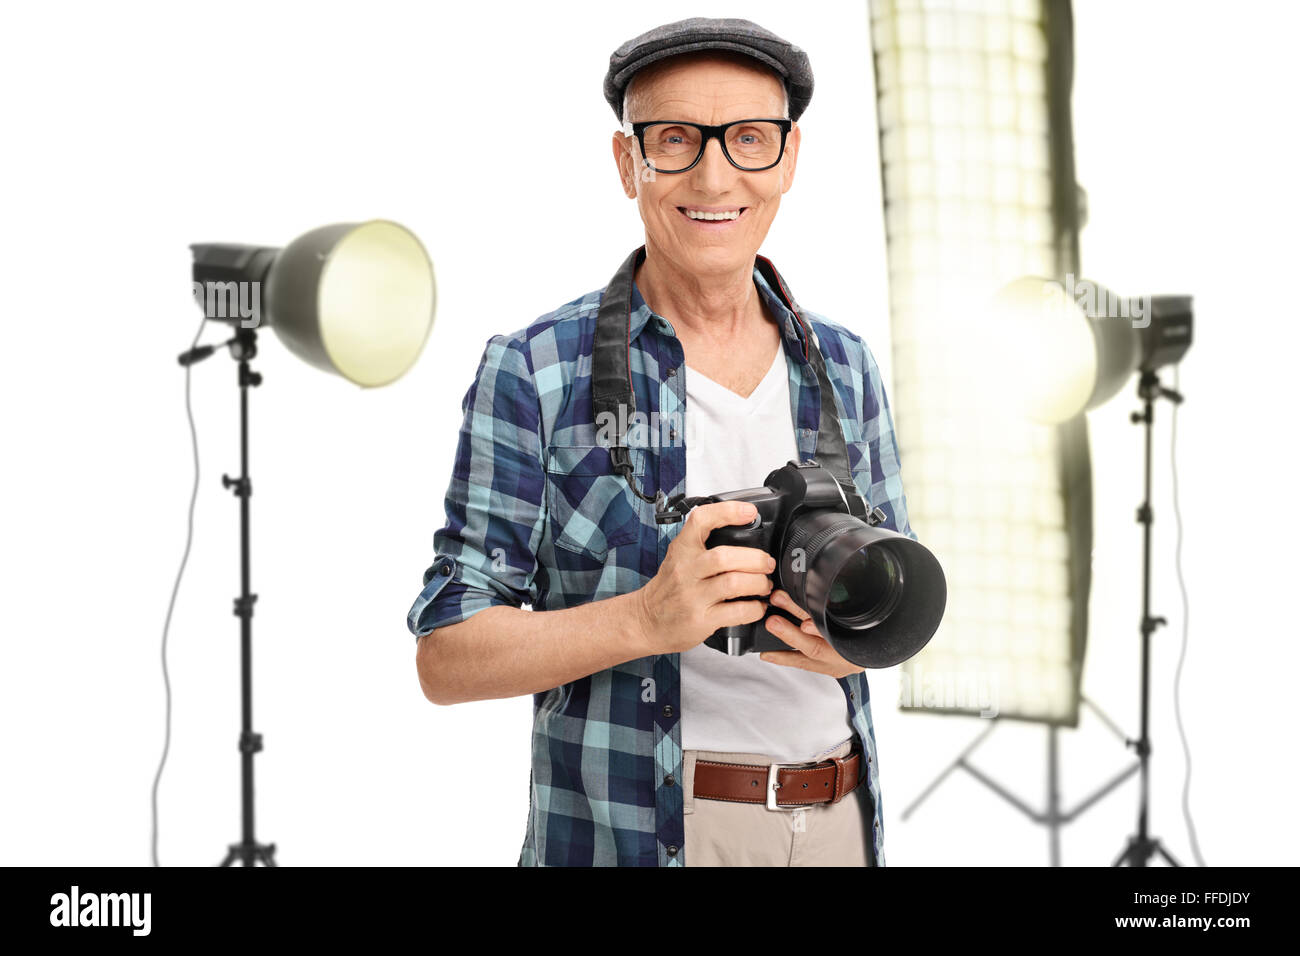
687 600
812 652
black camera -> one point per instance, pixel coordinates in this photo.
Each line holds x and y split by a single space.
877 596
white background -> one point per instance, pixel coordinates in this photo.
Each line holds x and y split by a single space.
133 130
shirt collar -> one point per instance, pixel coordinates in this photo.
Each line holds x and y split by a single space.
792 330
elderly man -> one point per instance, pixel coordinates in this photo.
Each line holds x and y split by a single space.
650 748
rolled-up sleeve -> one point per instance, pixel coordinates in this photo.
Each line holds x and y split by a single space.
486 553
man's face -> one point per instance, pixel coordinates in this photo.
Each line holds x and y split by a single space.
708 90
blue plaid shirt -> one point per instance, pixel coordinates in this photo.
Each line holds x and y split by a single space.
536 515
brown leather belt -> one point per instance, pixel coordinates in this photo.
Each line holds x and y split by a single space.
780 786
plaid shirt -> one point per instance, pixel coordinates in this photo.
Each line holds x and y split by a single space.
536 515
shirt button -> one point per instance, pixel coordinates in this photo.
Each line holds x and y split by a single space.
672 433
672 849
668 710
670 780
852 695
672 372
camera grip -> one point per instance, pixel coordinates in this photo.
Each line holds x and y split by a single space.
750 638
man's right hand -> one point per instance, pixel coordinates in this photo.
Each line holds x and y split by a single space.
687 600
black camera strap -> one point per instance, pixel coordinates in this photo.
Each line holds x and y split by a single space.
613 399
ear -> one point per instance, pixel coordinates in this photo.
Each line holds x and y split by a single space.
791 158
625 160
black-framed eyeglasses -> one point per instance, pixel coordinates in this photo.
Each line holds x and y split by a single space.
676 146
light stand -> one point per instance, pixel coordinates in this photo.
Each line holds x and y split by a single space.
248 852
1141 846
353 299
1053 816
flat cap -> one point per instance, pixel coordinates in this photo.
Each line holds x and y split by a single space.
707 33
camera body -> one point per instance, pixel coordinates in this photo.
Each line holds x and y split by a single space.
876 595
799 487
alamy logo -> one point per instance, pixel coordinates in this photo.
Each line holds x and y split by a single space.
1102 303
101 909
643 431
230 300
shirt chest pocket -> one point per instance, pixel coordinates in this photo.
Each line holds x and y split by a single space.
591 508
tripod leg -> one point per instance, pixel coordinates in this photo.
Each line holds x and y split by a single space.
1165 853
960 761
1123 854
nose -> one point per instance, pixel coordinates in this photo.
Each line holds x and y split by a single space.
713 173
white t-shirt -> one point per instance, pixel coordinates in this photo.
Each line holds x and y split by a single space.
744 704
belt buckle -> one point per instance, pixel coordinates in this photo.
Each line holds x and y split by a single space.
773 786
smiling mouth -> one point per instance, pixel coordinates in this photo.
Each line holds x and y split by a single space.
723 216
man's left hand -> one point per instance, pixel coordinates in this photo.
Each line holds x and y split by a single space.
812 652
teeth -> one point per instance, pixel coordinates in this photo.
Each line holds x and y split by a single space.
732 214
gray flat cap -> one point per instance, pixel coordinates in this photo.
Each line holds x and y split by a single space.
706 33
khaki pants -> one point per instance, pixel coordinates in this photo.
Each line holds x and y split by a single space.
719 833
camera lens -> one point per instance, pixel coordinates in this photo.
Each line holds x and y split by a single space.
877 596
867 588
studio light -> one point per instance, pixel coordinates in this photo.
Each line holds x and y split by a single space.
1070 347
992 372
974 148
354 299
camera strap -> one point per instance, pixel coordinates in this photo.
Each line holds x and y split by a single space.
613 399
